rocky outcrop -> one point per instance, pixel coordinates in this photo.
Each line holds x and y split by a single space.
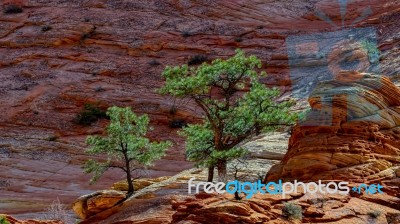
151 204
208 208
268 209
57 55
166 206
352 133
94 203
12 220
168 202
138 184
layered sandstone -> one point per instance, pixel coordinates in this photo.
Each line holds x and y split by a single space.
168 202
88 205
268 209
57 55
12 220
352 133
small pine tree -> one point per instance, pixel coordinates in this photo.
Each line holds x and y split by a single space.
3 220
125 145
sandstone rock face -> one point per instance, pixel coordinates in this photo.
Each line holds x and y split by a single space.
89 205
268 209
352 133
398 172
12 220
169 202
206 208
55 56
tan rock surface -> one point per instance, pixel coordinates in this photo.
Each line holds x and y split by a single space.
57 55
91 204
138 184
171 204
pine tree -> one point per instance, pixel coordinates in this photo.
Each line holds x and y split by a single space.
125 146
235 104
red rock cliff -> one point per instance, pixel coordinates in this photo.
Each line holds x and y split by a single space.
57 55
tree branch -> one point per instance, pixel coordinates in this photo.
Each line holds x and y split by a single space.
119 167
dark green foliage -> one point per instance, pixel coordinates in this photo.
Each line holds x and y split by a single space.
177 123
85 36
197 60
12 9
292 211
154 62
3 220
125 146
186 33
375 214
238 39
99 89
46 28
52 138
231 114
90 114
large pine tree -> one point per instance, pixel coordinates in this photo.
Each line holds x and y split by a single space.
236 107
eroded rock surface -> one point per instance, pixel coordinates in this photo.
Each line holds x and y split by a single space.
138 184
55 56
12 220
268 209
94 203
352 134
168 202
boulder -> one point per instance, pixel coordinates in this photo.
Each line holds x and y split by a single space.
352 132
138 184
89 205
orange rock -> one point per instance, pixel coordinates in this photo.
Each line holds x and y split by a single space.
47 76
138 183
361 142
12 220
97 202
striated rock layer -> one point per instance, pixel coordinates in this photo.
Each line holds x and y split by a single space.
352 133
57 55
12 220
87 205
168 202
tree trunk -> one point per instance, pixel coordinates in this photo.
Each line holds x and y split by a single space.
221 170
210 173
237 197
130 183
128 175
